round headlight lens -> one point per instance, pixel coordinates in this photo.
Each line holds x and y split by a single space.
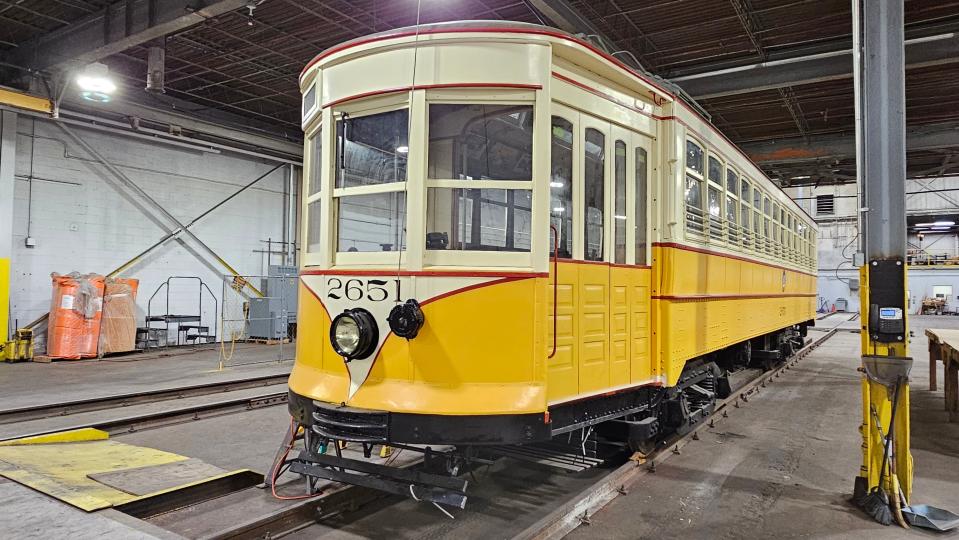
346 335
353 334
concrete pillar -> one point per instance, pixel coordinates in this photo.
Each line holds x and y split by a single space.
8 160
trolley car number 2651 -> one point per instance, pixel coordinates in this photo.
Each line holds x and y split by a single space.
374 290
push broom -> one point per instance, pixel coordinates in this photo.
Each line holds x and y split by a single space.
875 502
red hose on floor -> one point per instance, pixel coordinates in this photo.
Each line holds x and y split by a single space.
276 471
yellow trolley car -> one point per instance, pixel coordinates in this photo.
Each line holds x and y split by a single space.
510 235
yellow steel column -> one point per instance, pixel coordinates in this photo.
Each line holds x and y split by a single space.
8 157
879 80
876 395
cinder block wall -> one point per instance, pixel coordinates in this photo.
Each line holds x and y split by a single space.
83 222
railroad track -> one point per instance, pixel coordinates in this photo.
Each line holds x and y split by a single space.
577 511
137 422
297 515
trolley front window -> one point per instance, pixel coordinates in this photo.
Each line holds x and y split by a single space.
479 177
481 142
369 198
479 219
371 223
372 149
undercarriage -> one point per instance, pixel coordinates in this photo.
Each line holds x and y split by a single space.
577 433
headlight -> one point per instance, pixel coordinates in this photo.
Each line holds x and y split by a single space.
406 319
353 334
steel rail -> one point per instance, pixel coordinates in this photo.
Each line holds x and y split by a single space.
140 422
25 414
576 512
344 499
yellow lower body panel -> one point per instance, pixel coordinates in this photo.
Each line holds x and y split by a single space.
474 355
691 328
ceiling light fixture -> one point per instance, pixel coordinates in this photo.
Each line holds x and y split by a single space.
95 83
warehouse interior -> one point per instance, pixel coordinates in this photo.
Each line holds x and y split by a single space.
154 187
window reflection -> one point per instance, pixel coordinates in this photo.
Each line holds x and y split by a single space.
481 142
560 184
478 219
372 149
594 151
374 222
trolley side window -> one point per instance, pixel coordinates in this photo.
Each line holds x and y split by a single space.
561 184
746 213
732 205
694 187
313 210
619 207
714 194
594 151
641 165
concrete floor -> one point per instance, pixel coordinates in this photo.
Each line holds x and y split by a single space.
31 384
783 466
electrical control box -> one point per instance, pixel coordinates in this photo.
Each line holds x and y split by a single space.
887 298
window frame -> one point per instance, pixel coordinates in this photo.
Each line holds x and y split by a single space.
699 176
360 109
716 227
307 114
542 109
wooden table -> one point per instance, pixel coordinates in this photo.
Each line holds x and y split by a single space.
944 346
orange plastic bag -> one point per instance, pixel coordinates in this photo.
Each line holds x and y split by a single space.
73 330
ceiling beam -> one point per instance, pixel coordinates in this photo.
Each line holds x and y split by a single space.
920 52
565 16
800 149
113 29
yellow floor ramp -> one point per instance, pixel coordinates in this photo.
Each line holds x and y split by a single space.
86 469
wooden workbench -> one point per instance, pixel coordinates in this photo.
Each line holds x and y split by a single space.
944 346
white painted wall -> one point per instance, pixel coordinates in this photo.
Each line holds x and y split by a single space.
838 239
81 222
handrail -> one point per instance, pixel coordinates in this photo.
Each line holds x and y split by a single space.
555 285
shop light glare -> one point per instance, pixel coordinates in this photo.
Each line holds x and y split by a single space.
556 184
944 223
403 149
95 83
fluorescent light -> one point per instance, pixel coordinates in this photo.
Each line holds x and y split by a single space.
944 223
559 209
403 149
620 217
941 228
804 177
556 184
923 224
